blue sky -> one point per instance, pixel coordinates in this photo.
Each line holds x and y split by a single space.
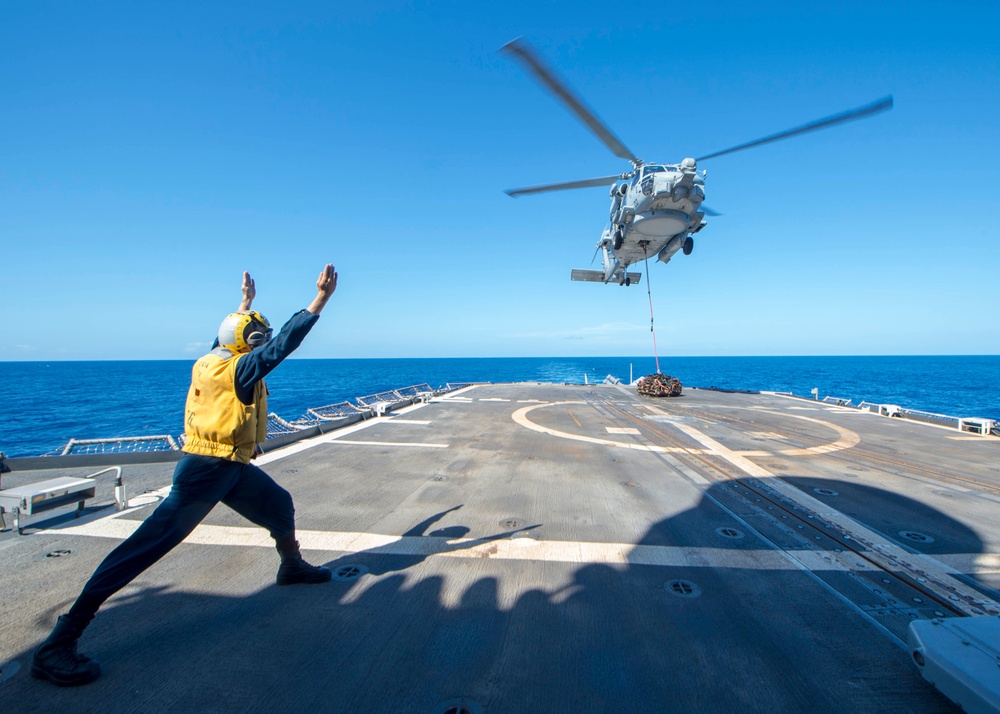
150 154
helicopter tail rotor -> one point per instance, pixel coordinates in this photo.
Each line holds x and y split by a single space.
596 251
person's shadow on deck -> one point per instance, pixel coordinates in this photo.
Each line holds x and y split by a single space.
523 636
413 547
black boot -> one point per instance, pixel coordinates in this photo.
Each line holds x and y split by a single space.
294 569
57 660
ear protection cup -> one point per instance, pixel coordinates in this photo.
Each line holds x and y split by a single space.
258 331
243 332
257 338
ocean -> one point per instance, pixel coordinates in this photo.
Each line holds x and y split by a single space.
47 403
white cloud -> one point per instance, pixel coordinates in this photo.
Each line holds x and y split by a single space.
607 332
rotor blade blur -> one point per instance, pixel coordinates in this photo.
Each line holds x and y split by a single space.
587 183
523 52
708 211
874 108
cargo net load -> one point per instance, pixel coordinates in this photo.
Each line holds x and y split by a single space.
659 385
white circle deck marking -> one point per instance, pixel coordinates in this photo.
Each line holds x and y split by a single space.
846 440
521 417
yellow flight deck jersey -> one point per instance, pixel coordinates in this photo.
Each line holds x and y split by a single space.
216 422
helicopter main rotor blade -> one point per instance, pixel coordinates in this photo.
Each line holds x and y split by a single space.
586 183
874 108
523 52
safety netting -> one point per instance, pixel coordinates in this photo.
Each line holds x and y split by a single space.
118 445
367 405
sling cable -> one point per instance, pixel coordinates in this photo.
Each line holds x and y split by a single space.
649 293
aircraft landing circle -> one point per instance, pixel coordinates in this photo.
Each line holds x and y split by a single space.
846 438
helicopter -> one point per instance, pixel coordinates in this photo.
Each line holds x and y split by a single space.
656 208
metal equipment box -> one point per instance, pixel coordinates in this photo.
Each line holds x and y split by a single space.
46 495
961 657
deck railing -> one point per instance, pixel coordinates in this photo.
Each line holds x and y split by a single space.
368 405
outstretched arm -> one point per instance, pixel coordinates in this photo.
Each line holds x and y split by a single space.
258 363
326 285
249 293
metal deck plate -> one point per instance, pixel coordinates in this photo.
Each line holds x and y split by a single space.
522 548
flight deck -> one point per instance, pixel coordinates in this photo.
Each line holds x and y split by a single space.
510 548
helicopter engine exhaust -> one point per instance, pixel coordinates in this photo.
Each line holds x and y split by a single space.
673 245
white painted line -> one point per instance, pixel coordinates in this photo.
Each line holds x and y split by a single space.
530 401
622 430
494 548
501 549
493 399
444 400
847 439
717 449
388 443
521 417
463 390
329 437
878 546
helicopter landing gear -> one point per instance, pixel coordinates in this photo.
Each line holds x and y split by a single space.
624 280
688 245
619 238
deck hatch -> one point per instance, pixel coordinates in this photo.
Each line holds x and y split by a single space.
682 588
458 706
349 572
729 532
917 537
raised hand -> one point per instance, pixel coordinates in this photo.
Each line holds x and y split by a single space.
249 292
326 285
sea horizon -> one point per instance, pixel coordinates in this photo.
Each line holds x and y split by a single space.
49 402
662 358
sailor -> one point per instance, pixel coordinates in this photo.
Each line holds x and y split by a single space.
225 420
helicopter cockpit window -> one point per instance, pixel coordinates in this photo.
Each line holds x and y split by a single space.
647 170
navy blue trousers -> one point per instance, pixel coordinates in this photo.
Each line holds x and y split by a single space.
200 482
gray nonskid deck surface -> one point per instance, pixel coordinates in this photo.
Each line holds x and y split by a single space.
546 548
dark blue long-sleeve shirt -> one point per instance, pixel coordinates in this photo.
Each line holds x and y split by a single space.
258 363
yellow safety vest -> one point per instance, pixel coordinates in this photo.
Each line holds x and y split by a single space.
216 422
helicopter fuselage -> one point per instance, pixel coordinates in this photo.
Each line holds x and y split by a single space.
653 212
656 208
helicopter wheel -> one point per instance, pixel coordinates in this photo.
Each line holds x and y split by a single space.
628 281
688 245
619 238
